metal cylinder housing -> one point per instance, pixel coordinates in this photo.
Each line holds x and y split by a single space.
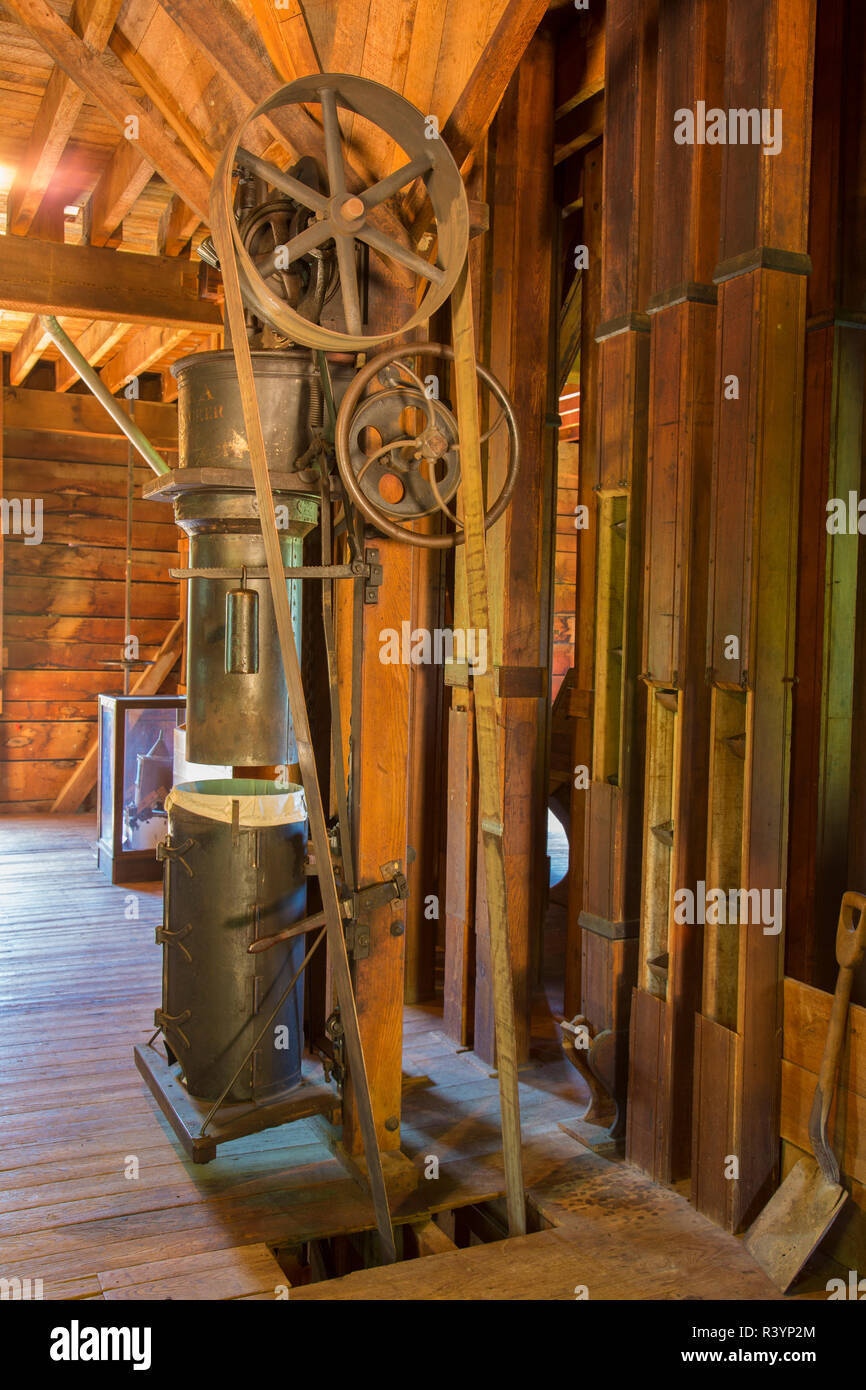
210 417
226 885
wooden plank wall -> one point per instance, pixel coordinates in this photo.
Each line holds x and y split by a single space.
807 1018
63 599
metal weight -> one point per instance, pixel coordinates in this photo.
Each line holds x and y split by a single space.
242 630
410 468
351 212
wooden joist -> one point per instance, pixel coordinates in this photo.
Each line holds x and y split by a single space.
92 21
142 350
96 79
27 351
96 343
89 282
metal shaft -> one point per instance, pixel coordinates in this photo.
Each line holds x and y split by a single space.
95 383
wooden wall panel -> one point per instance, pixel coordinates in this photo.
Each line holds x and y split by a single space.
64 598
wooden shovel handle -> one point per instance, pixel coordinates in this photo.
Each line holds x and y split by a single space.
850 946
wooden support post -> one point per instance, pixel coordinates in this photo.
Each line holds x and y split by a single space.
826 831
382 772
518 306
584 625
750 646
682 378
611 898
381 747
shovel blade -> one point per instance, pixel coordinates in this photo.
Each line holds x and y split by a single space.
794 1222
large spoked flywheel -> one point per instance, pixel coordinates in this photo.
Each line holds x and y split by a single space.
352 212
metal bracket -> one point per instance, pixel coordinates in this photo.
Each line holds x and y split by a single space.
371 588
393 888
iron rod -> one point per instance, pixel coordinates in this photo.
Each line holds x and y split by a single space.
95 383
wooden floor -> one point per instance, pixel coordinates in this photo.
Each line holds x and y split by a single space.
98 1201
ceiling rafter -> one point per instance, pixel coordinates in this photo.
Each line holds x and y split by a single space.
93 76
150 83
140 353
287 37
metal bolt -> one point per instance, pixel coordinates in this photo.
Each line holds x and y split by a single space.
392 1123
397 927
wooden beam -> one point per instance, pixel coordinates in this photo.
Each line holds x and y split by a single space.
121 183
94 77
142 350
92 21
148 682
165 103
686 210
96 343
590 76
88 282
176 226
77 414
27 351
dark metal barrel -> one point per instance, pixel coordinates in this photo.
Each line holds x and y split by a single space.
227 885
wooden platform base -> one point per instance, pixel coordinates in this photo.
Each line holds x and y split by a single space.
186 1114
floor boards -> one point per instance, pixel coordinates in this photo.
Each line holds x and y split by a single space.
98 1201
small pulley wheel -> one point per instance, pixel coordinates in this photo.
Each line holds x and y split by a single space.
398 450
352 212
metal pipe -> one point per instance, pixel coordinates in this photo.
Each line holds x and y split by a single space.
103 395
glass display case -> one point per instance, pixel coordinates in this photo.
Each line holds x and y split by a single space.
136 751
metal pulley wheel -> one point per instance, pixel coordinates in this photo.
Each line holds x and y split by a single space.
398 450
265 230
351 212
